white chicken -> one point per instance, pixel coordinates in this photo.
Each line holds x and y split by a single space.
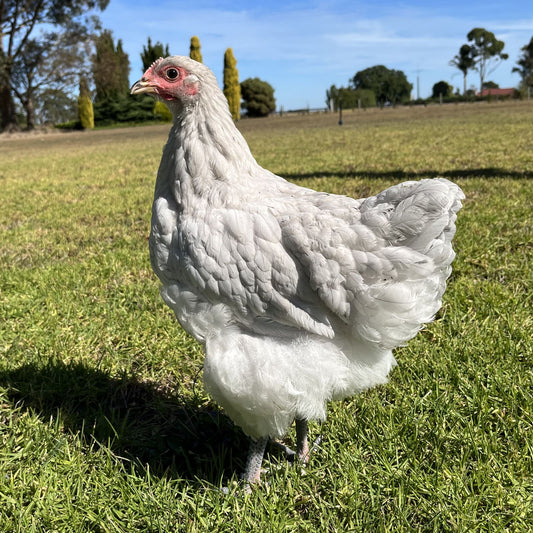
299 297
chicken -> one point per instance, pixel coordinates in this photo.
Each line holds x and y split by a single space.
299 297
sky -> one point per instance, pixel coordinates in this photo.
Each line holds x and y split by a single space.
302 48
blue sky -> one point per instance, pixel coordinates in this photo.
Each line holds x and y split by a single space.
302 48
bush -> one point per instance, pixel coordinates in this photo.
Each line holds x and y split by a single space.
123 108
351 98
258 96
86 112
71 125
162 112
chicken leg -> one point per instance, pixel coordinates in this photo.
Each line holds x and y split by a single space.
302 444
257 448
254 461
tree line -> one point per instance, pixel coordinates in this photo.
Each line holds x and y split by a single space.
44 45
379 85
49 47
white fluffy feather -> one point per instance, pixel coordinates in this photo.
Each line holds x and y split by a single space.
299 297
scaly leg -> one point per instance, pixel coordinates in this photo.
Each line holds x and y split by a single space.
252 472
302 445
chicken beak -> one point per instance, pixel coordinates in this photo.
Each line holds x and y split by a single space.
143 86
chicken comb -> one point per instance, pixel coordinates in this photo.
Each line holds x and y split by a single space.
154 64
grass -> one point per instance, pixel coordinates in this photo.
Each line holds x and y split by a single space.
104 422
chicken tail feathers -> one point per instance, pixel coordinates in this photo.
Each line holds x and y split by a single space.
414 213
417 219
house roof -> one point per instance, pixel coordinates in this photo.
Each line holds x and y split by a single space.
497 92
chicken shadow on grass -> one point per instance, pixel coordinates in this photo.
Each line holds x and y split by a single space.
402 175
137 421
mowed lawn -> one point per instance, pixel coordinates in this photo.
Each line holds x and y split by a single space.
104 422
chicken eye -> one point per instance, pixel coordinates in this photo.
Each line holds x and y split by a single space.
172 73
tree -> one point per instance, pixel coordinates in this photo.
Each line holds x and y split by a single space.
442 89
54 106
487 52
490 85
195 49
113 103
23 77
258 96
525 66
18 22
53 63
85 106
388 85
152 52
111 68
464 61
232 88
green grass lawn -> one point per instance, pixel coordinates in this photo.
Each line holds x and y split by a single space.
104 422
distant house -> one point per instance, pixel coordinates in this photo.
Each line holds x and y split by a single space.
498 93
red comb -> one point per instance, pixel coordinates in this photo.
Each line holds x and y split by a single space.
154 64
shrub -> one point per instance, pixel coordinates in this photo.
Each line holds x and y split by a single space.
258 96
86 112
123 108
351 98
162 112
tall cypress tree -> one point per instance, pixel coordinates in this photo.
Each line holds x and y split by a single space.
111 68
123 69
152 52
104 66
232 87
85 106
195 50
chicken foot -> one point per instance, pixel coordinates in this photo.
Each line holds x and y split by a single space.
303 451
302 444
252 472
256 452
